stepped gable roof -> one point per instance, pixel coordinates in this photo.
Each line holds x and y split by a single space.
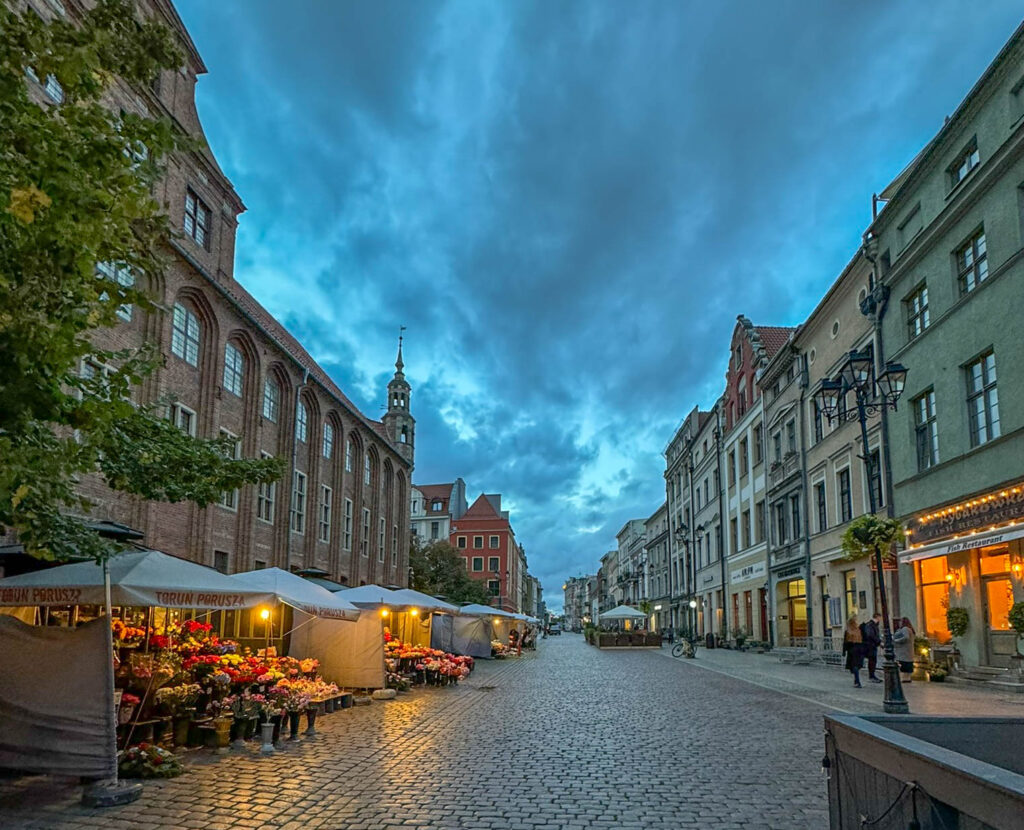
481 509
774 337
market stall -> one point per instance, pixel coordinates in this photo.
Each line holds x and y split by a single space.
70 732
481 631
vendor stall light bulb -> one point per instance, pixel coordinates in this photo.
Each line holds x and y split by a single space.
264 614
415 612
383 612
496 621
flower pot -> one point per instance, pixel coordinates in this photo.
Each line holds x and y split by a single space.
311 720
329 706
347 700
222 734
239 726
294 721
180 727
124 714
159 729
275 720
251 728
267 737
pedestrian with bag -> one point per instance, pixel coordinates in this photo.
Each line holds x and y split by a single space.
872 639
903 647
853 647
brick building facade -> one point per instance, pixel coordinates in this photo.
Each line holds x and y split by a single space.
230 367
484 537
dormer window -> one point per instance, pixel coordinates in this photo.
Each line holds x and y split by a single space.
435 505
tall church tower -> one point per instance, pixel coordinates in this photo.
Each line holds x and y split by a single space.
399 424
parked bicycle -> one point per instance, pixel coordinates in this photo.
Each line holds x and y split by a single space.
685 648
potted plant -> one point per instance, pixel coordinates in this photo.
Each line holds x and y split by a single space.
957 621
937 673
739 636
1016 619
146 760
179 702
922 658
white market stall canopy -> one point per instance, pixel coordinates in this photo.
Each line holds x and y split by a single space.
145 577
485 611
374 596
622 612
417 599
299 593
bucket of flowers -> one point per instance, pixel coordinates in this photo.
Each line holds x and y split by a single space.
146 760
293 697
179 702
127 708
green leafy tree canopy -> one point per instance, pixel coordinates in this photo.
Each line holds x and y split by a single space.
867 532
76 184
438 568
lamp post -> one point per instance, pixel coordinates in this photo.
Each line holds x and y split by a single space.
872 394
683 538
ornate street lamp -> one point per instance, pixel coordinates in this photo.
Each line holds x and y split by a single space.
872 395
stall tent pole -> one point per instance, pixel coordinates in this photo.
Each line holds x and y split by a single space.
111 791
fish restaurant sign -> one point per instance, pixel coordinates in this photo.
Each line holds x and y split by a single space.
993 508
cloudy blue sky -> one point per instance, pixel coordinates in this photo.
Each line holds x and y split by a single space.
567 204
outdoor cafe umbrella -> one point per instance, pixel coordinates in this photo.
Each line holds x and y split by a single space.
623 612
299 593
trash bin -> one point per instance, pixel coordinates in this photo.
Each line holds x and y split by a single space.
709 641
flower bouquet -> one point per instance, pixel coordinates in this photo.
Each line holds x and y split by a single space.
126 636
147 760
179 700
127 708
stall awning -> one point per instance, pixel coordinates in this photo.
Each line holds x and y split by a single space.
145 577
300 593
622 612
970 542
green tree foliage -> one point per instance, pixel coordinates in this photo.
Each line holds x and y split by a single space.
76 184
867 532
437 568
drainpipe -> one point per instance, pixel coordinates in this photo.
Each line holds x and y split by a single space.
668 504
691 571
295 457
721 511
804 383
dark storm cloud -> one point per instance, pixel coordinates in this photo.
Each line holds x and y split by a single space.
567 204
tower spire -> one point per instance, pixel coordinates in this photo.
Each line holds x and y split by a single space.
399 365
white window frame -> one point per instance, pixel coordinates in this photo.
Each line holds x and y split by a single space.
53 89
324 528
229 498
266 495
234 369
328 444
179 413
348 455
196 222
297 523
121 275
271 400
346 537
186 334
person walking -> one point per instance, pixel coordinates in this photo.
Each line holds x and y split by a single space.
903 647
872 638
853 646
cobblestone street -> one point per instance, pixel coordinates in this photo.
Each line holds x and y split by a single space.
568 737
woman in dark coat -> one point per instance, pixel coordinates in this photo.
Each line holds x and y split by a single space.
853 647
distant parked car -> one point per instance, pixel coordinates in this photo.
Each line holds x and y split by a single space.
554 628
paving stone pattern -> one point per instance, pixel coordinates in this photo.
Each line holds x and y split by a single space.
569 737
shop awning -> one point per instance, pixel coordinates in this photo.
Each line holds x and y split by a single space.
969 542
145 577
299 593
